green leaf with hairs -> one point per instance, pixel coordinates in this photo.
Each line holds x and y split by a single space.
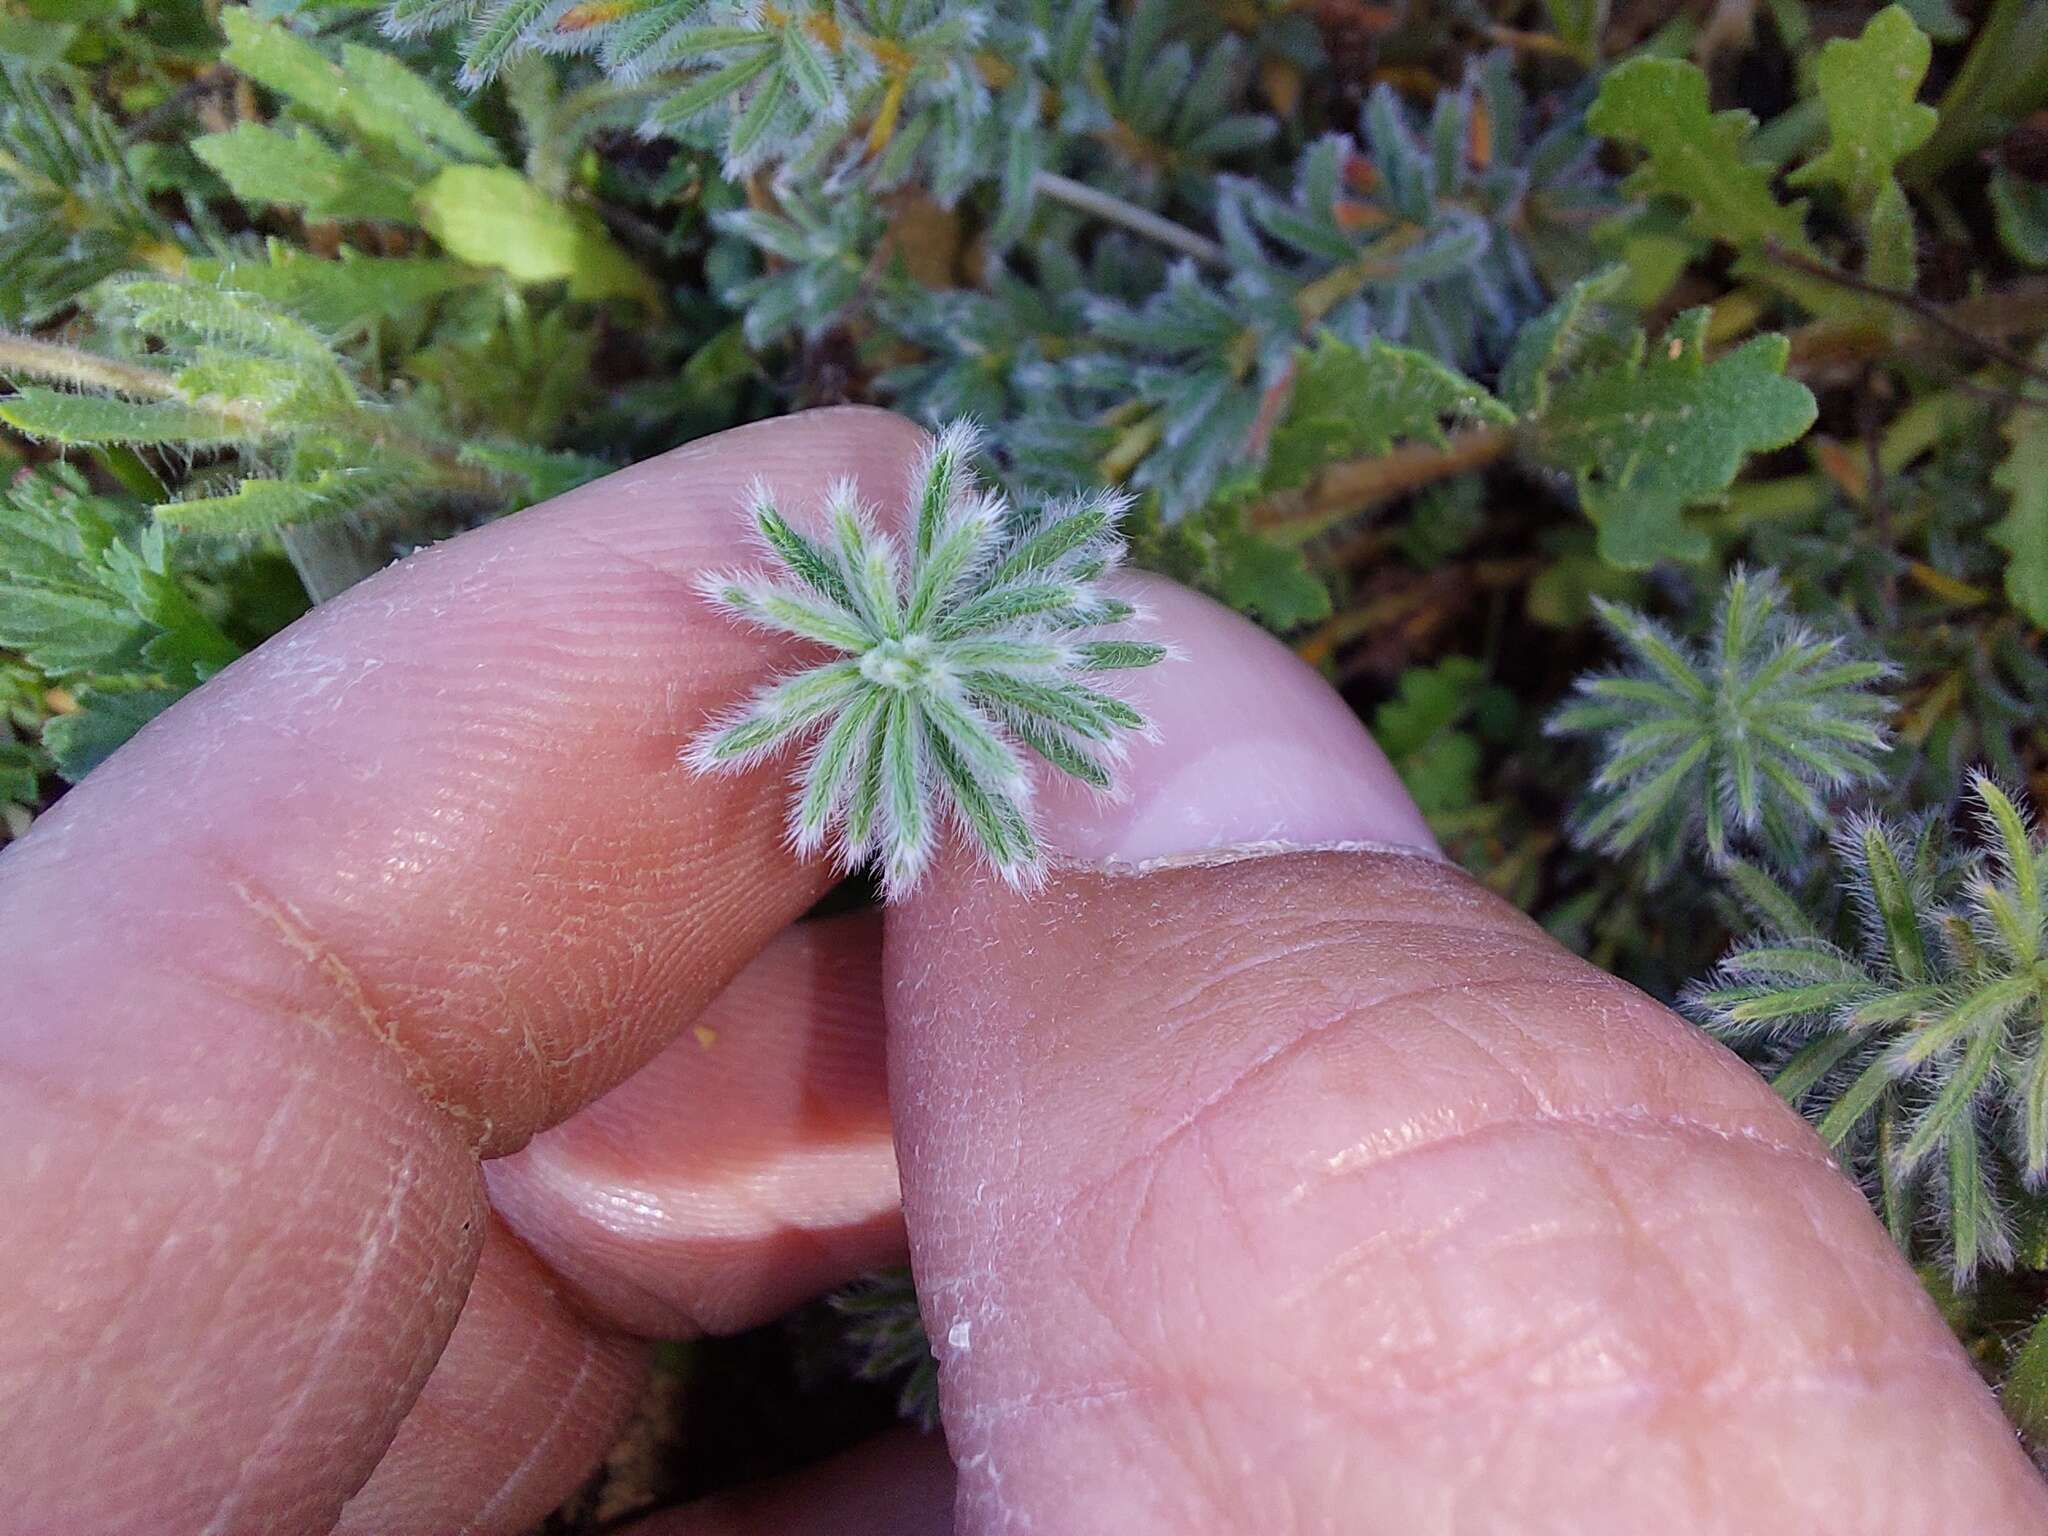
493 216
296 168
1357 402
103 721
1693 154
91 419
1868 86
341 297
82 593
259 506
1664 429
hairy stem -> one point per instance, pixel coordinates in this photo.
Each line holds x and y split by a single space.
87 370
58 364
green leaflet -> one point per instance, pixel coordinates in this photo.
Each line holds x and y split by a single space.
103 721
1256 575
256 505
2023 532
1867 86
298 169
59 417
341 297
1352 402
1665 429
493 216
369 95
1694 154
1419 731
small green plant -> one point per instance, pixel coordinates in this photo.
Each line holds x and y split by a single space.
887 1339
952 653
1740 738
1921 1043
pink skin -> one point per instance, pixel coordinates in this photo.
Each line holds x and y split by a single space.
1303 1192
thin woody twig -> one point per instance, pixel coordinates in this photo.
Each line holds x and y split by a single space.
1923 309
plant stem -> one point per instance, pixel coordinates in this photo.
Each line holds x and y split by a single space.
68 365
88 370
1140 221
1923 309
1346 489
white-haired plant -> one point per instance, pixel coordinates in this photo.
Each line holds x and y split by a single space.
1919 1047
1739 739
952 658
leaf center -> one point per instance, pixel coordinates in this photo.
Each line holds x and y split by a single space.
904 665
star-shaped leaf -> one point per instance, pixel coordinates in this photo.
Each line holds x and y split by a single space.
961 646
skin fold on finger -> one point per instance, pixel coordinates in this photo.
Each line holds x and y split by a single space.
747 1167
526 1397
420 877
1319 1191
900 1485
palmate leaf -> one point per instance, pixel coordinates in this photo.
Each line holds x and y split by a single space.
1665 429
1732 742
962 644
1917 1049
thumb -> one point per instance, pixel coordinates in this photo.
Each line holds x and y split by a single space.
1264 1172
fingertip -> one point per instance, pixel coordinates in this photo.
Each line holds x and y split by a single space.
1245 744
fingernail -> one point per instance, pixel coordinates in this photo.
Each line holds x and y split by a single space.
1251 746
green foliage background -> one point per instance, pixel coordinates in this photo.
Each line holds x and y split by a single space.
1643 421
